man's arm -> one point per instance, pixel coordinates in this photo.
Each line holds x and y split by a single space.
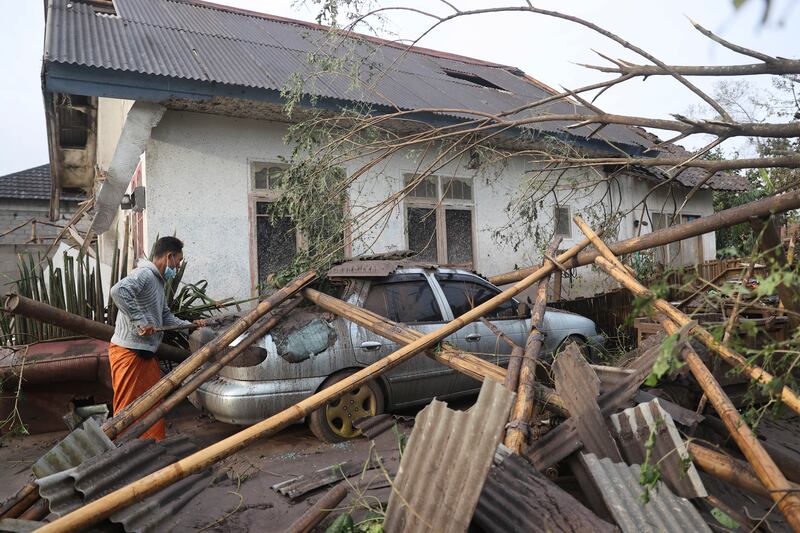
125 294
168 319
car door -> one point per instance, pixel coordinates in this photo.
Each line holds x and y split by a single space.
407 298
465 291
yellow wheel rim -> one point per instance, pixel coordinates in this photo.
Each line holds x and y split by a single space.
342 413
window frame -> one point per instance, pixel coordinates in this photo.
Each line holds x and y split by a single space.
556 207
413 275
256 196
440 205
665 250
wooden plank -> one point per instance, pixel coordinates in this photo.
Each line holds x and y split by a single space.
579 387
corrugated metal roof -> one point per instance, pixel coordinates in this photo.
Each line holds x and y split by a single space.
193 41
634 427
446 462
300 485
95 477
32 184
82 444
619 486
516 497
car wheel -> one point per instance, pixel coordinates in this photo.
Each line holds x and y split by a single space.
334 422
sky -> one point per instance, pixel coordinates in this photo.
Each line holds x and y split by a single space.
545 48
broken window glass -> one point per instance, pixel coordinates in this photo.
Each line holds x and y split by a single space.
276 241
562 221
405 301
464 295
421 227
458 225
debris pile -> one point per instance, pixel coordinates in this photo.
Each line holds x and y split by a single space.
587 448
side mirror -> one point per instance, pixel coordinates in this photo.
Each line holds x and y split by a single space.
523 310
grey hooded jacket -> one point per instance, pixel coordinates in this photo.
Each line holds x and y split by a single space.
141 301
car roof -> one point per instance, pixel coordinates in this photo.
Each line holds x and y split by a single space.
381 268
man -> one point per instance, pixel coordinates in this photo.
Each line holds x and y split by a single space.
142 304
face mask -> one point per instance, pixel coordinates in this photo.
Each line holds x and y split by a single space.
169 272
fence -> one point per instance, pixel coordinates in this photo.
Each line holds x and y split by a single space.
610 311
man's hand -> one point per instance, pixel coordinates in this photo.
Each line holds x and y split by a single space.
146 330
199 323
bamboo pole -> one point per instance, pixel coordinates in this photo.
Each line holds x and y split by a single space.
94 512
317 512
730 470
606 256
763 465
787 395
723 219
522 411
147 421
765 468
114 426
464 362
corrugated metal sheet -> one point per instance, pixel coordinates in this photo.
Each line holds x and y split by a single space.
446 462
197 42
619 486
68 490
634 428
516 497
82 444
300 485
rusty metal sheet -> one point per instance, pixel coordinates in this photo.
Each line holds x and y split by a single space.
636 426
619 486
579 387
446 462
516 497
97 476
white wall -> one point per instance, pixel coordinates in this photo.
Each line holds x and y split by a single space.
198 180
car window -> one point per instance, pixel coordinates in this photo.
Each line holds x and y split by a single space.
463 295
409 301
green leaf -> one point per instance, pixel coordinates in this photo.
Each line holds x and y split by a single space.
724 518
342 524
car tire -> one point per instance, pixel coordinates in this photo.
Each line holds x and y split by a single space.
334 422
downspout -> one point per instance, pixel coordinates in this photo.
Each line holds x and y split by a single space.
141 119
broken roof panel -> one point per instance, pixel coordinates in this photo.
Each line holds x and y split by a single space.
622 493
516 497
446 462
97 476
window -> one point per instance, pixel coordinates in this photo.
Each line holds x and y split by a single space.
680 253
407 300
562 221
440 219
276 239
463 295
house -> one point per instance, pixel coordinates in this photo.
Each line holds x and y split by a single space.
179 104
25 225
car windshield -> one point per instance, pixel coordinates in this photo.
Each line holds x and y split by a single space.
406 300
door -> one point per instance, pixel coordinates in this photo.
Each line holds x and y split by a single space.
408 299
464 292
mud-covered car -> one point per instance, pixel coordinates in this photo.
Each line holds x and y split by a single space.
311 349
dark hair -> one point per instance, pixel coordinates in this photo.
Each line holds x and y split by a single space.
165 245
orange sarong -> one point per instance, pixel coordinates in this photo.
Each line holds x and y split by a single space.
131 376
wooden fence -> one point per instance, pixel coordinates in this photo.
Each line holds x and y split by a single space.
610 311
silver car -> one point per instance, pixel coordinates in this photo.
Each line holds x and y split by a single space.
310 350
